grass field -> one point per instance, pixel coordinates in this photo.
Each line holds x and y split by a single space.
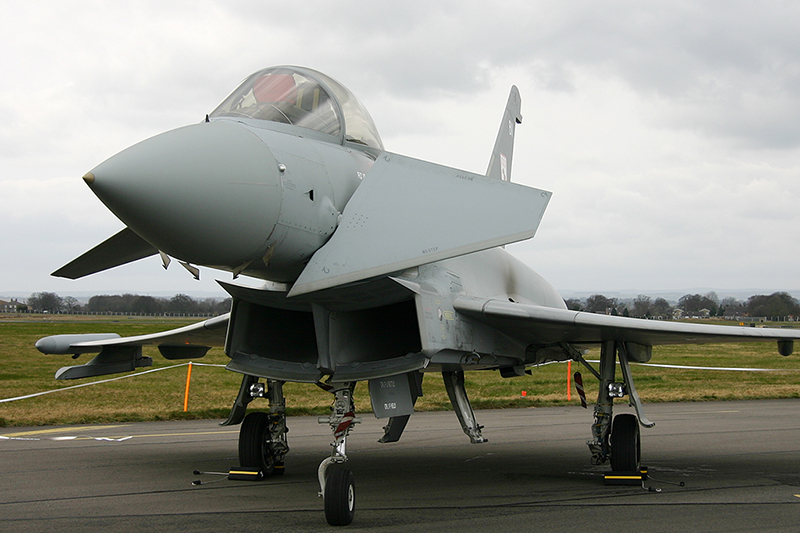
160 395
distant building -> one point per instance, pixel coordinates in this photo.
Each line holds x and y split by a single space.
9 307
750 319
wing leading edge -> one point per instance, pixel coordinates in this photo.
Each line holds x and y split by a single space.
124 354
546 325
207 333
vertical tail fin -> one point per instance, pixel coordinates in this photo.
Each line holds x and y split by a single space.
500 163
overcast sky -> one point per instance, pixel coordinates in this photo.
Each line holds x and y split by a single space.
668 132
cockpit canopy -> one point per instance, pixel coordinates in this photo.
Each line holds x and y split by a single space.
305 98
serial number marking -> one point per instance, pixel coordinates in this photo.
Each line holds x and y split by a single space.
429 250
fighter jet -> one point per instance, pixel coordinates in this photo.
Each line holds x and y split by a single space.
373 267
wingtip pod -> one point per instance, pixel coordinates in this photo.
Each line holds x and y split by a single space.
65 344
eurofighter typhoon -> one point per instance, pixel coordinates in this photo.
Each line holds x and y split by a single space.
376 267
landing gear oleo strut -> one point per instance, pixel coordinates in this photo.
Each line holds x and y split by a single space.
616 438
337 487
263 443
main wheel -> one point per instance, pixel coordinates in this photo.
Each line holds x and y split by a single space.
254 450
626 447
340 497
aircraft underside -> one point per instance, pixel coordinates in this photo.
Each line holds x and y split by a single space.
263 442
416 330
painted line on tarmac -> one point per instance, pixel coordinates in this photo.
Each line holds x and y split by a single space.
71 429
31 435
68 437
40 434
157 435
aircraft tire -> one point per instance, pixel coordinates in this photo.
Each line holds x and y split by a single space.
253 449
626 447
340 497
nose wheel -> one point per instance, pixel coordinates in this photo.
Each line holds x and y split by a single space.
340 497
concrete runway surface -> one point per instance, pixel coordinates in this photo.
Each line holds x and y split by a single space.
740 462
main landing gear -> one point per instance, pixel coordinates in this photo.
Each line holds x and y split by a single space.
619 440
262 438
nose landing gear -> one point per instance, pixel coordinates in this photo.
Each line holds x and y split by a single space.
337 485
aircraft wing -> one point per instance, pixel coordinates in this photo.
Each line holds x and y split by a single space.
545 325
409 212
123 354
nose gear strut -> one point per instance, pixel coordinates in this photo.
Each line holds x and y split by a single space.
337 487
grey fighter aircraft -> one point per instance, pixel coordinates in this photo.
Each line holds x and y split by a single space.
375 266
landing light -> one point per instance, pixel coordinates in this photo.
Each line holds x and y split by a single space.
616 390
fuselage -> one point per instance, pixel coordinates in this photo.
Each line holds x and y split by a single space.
258 186
261 183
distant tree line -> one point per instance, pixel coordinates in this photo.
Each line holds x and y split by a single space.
180 304
778 306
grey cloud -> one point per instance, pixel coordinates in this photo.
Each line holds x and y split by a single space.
702 60
720 81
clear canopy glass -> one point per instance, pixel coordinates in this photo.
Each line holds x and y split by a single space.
305 98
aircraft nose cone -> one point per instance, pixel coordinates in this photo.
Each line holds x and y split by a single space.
208 193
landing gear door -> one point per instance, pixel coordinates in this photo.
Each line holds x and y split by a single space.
394 396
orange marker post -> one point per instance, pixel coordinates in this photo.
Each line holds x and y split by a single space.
569 381
186 396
